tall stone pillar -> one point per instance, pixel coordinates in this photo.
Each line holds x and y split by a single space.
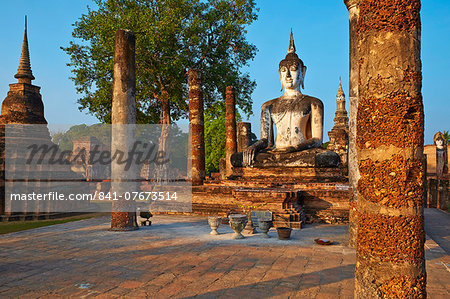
353 172
123 116
197 127
230 126
390 243
244 135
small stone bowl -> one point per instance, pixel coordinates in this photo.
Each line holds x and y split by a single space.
264 226
214 223
284 233
237 224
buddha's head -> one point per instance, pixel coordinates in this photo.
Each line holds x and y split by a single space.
439 140
291 69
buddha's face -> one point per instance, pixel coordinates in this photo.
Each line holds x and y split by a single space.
290 76
439 143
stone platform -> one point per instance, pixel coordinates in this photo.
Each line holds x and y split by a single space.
291 174
295 195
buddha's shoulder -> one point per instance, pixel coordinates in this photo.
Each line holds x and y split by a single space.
272 102
304 99
312 100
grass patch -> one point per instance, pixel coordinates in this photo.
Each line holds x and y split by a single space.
15 226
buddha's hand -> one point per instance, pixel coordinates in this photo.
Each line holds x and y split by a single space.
248 155
291 149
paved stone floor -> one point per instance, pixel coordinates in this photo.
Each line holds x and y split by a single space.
177 258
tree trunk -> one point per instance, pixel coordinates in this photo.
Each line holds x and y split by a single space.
164 140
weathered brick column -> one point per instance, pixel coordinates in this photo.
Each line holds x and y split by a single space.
230 126
123 114
353 171
197 128
244 135
390 243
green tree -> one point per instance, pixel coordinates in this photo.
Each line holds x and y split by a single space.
447 136
172 36
215 136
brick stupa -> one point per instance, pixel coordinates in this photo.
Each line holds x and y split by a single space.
339 134
23 104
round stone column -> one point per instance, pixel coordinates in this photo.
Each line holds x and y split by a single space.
244 135
123 119
230 126
353 171
197 127
390 260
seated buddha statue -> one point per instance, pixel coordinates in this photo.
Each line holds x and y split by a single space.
298 118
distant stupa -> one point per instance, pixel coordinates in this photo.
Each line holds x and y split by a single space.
339 134
23 104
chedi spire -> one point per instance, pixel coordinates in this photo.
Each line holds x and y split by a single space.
24 73
340 90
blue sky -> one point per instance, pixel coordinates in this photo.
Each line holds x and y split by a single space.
320 32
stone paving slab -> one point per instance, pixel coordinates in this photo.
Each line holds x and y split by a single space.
437 226
177 258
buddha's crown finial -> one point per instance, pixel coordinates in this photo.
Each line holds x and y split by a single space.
292 57
24 73
291 44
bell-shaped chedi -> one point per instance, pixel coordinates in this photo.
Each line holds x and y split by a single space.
23 104
339 134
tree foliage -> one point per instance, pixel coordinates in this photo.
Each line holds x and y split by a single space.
447 136
172 36
215 136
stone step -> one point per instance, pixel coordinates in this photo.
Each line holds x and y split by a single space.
209 209
332 186
266 193
332 216
245 183
326 193
291 224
